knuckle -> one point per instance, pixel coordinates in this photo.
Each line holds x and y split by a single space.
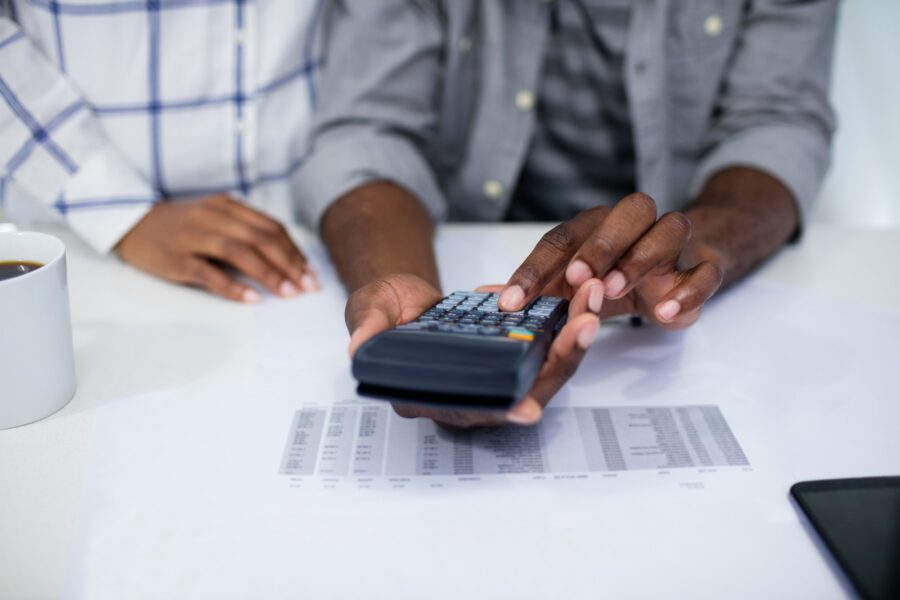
261 239
643 203
566 370
273 278
715 273
560 238
597 213
602 244
201 272
276 228
232 249
529 273
638 258
273 248
679 223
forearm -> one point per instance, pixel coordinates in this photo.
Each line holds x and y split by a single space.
377 230
741 217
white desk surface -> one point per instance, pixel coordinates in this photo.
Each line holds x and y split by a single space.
135 334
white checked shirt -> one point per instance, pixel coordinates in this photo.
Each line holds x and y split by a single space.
108 106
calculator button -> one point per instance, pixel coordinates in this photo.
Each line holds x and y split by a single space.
489 330
517 333
415 326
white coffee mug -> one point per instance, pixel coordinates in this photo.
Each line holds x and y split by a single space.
37 366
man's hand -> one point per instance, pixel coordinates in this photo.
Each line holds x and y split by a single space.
386 303
648 266
397 299
194 242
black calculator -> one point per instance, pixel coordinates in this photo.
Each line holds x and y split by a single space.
462 351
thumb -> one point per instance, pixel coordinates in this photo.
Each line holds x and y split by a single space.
370 322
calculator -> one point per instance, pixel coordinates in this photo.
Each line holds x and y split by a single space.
462 351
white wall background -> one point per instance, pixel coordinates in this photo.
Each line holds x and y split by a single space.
863 188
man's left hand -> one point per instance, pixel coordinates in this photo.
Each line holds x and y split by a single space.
647 265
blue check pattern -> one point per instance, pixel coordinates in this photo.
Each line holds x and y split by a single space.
214 98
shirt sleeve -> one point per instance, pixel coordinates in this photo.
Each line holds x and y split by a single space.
377 104
53 150
773 112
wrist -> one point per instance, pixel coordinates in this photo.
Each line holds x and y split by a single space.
379 230
741 217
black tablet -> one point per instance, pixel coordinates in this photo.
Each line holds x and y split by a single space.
859 521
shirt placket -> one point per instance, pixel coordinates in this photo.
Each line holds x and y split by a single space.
517 113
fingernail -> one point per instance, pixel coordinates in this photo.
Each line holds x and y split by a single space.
511 298
250 296
615 283
595 298
309 283
288 289
669 310
528 413
587 335
578 272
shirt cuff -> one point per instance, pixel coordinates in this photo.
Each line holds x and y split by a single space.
797 157
338 166
105 199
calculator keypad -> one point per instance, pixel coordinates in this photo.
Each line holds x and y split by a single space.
477 313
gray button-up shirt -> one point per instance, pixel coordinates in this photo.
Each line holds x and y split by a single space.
434 95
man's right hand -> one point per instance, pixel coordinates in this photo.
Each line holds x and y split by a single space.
398 299
385 304
195 241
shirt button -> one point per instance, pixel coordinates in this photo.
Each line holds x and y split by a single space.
713 25
240 37
524 100
465 44
493 189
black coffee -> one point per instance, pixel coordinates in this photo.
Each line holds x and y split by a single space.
14 268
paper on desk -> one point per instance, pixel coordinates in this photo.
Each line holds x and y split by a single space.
186 498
